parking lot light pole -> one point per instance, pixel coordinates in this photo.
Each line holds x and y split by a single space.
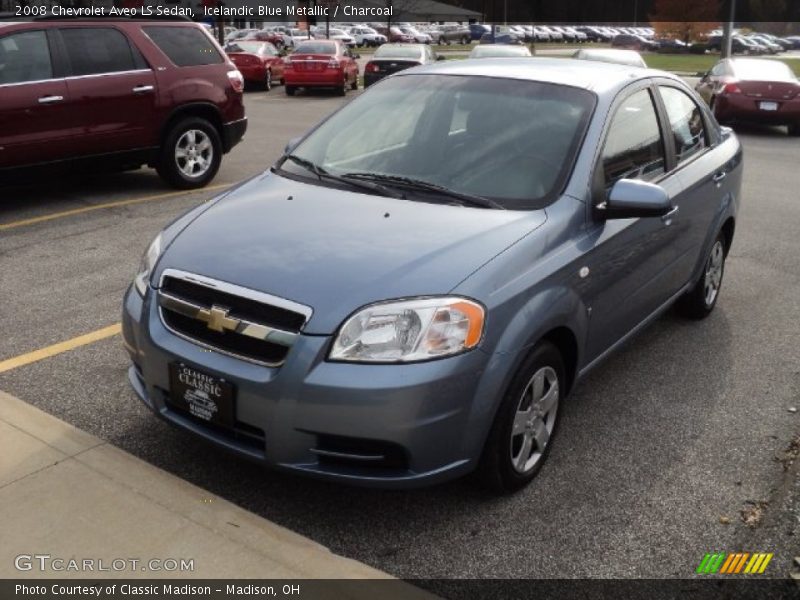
727 34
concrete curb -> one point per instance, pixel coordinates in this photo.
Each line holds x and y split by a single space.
71 495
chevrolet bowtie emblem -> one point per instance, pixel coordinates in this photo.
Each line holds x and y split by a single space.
217 319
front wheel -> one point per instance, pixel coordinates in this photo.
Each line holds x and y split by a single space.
191 153
698 302
521 435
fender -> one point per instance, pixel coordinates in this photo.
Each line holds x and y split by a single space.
549 309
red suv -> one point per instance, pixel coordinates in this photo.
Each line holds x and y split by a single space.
117 94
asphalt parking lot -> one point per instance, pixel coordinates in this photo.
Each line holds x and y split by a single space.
658 448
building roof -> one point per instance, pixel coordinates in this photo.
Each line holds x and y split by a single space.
421 10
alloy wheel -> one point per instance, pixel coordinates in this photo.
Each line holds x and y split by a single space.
713 276
534 420
194 153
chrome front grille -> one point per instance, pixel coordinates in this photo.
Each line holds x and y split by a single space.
231 319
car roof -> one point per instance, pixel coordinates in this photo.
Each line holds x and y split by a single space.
590 75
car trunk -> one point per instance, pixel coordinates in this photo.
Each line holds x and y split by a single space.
389 66
242 59
311 62
770 90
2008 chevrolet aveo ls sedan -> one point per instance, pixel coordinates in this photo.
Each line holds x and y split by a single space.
409 294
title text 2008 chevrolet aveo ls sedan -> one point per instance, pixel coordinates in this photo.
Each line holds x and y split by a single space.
409 294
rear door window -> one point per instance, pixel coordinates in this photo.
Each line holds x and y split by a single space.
25 57
686 123
184 46
97 50
634 148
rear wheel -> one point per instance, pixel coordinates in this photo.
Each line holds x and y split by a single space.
342 89
290 90
794 129
701 299
519 440
191 153
268 80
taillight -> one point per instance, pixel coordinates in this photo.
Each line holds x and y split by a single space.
371 68
287 63
237 81
333 64
731 88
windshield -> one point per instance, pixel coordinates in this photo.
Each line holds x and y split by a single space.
315 48
763 70
397 52
251 47
492 51
512 141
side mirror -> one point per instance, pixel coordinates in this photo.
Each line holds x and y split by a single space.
292 144
631 198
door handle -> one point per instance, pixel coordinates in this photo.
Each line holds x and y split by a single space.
143 89
667 218
50 99
719 177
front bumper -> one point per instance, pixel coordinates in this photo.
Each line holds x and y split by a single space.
232 133
423 415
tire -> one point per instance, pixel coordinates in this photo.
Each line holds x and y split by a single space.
354 84
290 90
191 153
464 40
698 302
512 456
268 81
794 130
342 89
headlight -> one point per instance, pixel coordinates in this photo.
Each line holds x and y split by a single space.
410 330
146 267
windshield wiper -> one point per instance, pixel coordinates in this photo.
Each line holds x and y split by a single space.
321 174
419 184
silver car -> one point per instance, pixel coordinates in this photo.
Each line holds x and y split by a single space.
410 293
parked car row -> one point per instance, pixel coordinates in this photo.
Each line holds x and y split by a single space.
752 44
312 63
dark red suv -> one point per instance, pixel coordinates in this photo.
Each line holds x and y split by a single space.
117 94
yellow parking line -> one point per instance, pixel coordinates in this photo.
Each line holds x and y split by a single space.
47 352
85 209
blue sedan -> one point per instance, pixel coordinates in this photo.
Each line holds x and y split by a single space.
410 293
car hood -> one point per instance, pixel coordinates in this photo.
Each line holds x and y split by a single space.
336 250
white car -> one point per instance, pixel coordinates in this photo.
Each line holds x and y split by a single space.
336 34
366 36
419 37
297 36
